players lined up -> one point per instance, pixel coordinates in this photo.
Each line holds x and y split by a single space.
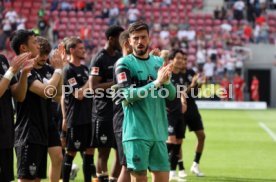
136 127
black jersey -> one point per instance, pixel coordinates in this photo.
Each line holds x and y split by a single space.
188 77
6 110
46 72
32 116
118 112
174 106
78 112
102 66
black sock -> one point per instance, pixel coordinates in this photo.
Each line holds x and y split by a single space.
63 154
181 165
88 167
169 147
112 180
66 167
174 156
103 178
197 157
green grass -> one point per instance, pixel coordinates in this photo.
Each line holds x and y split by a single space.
237 149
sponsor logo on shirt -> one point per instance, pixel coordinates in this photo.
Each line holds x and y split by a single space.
170 129
48 75
121 77
136 159
95 70
77 144
103 139
32 169
72 81
4 66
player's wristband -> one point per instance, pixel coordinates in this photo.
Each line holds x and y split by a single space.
156 83
8 75
167 82
59 71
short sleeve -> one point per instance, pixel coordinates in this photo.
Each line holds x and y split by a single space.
97 66
122 74
70 78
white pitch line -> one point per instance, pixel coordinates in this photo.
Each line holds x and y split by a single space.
271 133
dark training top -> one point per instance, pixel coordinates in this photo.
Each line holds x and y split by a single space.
6 110
102 66
78 112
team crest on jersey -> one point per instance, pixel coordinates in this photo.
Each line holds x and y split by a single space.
103 139
121 77
95 70
4 66
156 68
190 78
77 144
170 129
181 81
136 159
32 169
150 79
72 81
48 75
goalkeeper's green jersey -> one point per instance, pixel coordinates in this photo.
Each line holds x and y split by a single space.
145 115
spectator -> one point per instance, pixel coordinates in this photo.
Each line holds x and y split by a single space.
238 10
133 14
89 5
274 4
55 29
79 5
43 26
166 3
225 83
11 15
21 23
223 13
208 69
217 13
247 32
65 6
254 89
250 12
200 57
113 15
7 27
54 5
263 34
105 13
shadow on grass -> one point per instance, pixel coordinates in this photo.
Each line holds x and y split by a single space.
226 179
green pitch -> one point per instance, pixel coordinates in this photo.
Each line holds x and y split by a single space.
237 148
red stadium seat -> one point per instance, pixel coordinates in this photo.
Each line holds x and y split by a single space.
27 4
80 14
72 14
208 22
63 14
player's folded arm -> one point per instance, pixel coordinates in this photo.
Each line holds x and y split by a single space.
172 91
130 92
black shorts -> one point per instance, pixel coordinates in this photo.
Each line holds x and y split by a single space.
192 118
6 165
120 150
31 161
103 134
79 137
176 125
53 136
